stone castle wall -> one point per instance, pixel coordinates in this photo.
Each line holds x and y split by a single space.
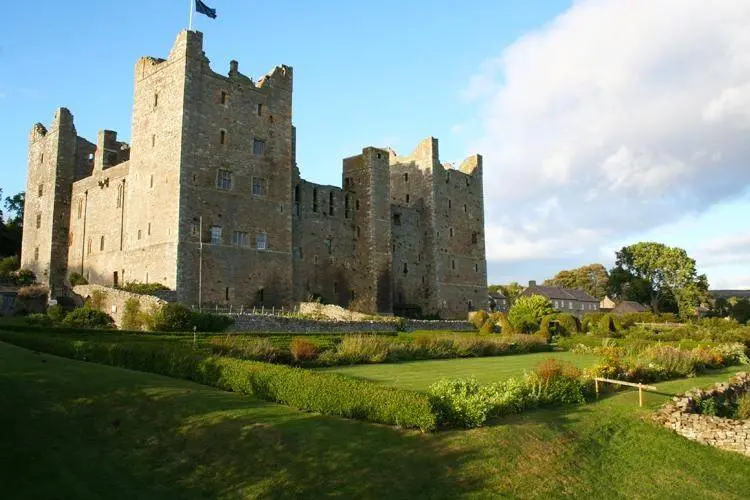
213 156
681 415
113 300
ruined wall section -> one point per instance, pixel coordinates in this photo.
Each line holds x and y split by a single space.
367 182
324 240
236 176
51 169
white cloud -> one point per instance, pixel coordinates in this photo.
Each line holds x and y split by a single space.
629 114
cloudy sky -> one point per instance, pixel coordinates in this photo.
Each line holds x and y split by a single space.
602 122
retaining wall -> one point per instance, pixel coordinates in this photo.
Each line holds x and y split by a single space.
114 300
681 415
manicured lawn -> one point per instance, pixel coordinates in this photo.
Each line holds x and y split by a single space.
76 430
419 375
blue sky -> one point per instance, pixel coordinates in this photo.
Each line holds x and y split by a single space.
599 120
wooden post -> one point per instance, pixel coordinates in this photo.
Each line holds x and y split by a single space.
640 394
596 388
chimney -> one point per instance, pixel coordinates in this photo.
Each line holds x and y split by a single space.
532 282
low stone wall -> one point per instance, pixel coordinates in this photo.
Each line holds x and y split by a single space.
114 300
681 415
454 325
283 324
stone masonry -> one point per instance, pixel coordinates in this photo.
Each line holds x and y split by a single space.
208 200
681 415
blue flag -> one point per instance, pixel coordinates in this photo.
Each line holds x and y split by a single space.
205 9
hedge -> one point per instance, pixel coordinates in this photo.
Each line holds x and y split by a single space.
325 393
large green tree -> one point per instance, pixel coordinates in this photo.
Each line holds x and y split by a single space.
592 278
11 225
511 291
653 273
527 312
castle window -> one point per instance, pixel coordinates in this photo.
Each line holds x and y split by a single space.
259 109
151 181
194 229
259 186
148 231
226 293
216 235
315 200
450 231
153 140
223 98
335 287
260 295
467 181
329 245
88 249
466 209
358 231
259 147
406 177
270 118
139 234
450 204
347 182
476 268
240 239
120 195
38 221
471 306
474 238
447 177
298 253
223 179
453 264
419 257
261 241
356 204
330 203
406 268
396 219
296 199
222 136
346 205
40 190
41 158
101 244
408 198
315 260
36 253
156 99
80 207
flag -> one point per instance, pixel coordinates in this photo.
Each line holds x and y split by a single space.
205 9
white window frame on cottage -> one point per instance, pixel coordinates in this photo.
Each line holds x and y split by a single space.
259 186
240 239
215 232
224 179
570 304
261 241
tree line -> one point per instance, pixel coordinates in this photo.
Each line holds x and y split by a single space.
11 224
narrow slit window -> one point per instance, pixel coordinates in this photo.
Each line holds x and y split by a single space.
222 136
223 98
101 244
330 203
315 200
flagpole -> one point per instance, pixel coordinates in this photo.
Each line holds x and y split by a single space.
190 16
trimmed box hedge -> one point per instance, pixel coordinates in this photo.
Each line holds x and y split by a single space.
326 393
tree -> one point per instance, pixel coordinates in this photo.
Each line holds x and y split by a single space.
15 205
593 279
654 271
740 311
11 230
527 312
511 291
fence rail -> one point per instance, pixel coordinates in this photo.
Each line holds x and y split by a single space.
243 310
621 382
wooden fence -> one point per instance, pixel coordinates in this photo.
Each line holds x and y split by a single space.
620 382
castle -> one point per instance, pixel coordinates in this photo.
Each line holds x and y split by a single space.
207 199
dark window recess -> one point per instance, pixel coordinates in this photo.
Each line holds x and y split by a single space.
330 203
408 198
406 268
474 238
226 293
259 109
315 200
356 204
453 264
223 97
296 199
223 136
406 177
396 219
346 206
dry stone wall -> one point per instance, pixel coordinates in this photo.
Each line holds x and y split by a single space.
681 415
113 302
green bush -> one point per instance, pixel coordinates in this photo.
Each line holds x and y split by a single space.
460 403
38 319
479 318
355 349
326 393
487 328
173 317
143 288
527 312
743 407
132 316
76 279
56 313
253 348
86 317
24 277
501 320
97 299
8 266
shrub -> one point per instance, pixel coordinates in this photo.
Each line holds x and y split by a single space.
24 277
355 349
479 318
132 317
256 349
97 299
31 299
527 312
38 319
143 288
8 266
33 292
56 313
86 317
488 327
76 279
326 393
460 403
302 349
608 325
501 320
173 317
743 407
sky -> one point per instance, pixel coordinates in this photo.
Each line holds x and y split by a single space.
602 122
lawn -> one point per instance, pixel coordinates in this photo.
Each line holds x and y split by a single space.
70 429
418 375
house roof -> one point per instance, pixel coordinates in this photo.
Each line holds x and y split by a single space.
629 306
557 292
497 295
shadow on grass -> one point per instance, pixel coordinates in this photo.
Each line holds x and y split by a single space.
79 430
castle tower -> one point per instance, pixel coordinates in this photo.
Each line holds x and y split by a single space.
51 170
367 182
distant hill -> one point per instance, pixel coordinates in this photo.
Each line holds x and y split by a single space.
730 293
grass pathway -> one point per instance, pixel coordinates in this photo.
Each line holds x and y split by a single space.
418 375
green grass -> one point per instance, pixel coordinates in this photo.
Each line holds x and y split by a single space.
76 430
419 375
